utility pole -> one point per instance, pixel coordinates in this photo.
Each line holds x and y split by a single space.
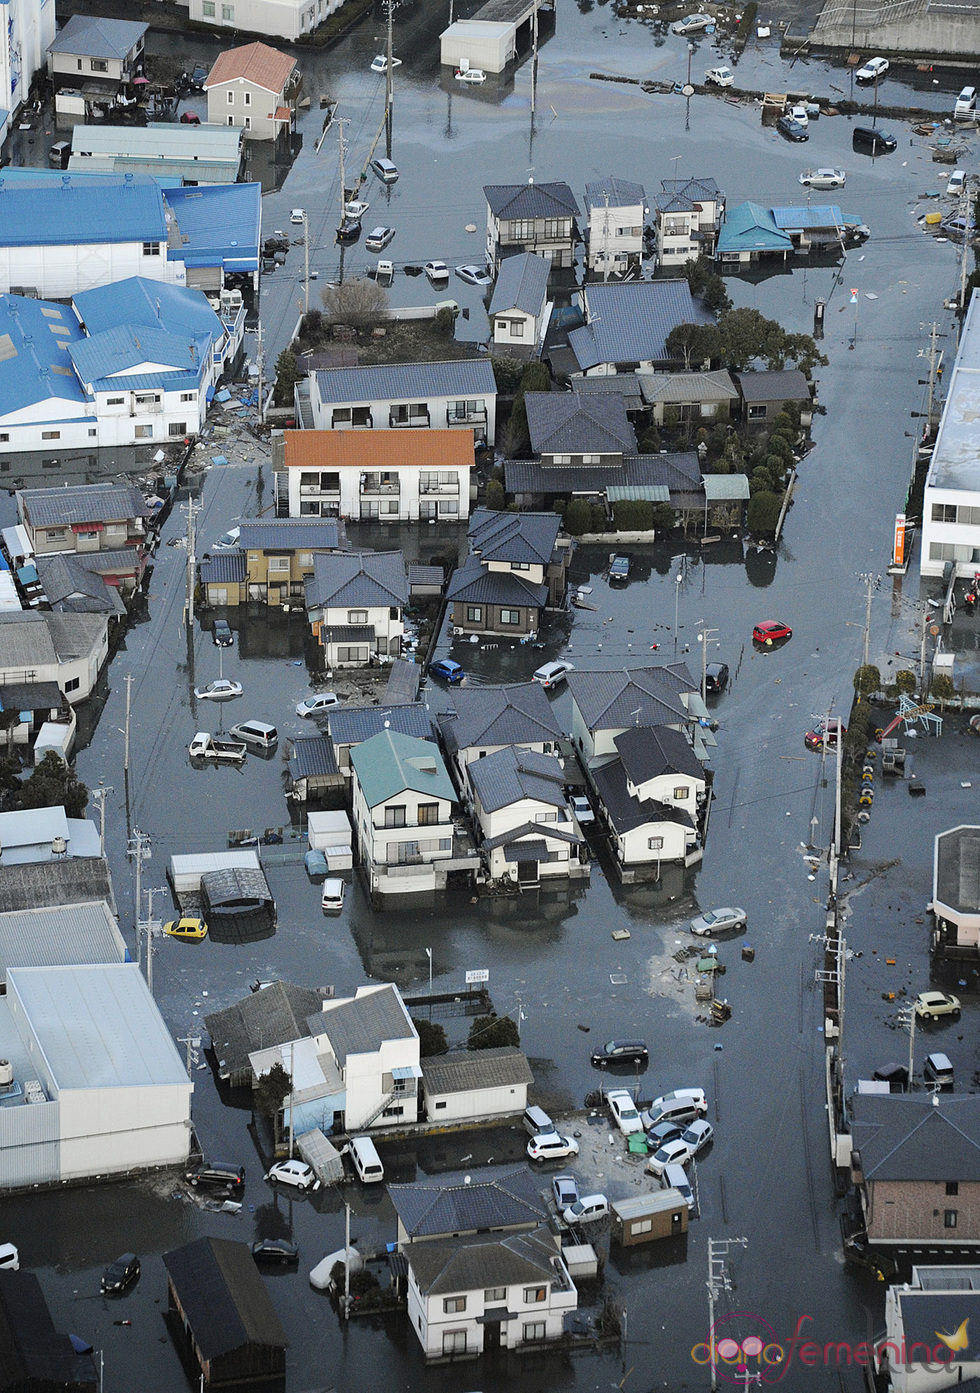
139 847
605 230
193 1043
906 1018
292 1071
346 1260
872 582
932 375
306 261
964 213
389 86
718 1281
260 364
129 692
703 636
191 560
99 794
926 616
150 925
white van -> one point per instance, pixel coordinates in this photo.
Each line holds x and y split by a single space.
957 179
366 1160
537 1120
258 733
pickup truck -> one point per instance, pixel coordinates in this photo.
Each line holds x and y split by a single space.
205 746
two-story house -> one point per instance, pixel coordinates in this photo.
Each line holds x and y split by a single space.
500 1200
607 704
91 47
272 562
531 218
528 831
67 651
519 307
617 218
688 217
378 475
348 726
371 1040
255 87
460 394
470 1295
403 800
653 798
517 568
915 1161
84 517
482 720
355 603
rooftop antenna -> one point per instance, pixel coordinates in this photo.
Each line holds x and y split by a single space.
636 716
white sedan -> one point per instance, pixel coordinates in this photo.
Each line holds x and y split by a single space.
717 921
475 275
673 1153
221 689
296 1173
691 24
436 271
624 1112
823 178
872 70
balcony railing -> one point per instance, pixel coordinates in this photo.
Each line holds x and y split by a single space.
400 422
319 491
452 488
375 485
465 418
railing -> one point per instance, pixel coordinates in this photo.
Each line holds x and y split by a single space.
399 422
465 418
439 488
375 486
305 490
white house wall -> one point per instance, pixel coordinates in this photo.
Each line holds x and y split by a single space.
437 405
949 541
503 1101
635 849
106 1130
57 272
430 1322
405 506
286 20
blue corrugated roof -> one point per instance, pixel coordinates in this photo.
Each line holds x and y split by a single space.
176 308
148 381
750 227
70 213
219 224
36 366
47 178
126 346
818 215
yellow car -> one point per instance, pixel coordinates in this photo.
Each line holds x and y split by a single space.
190 930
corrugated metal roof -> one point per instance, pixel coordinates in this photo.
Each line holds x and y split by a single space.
361 1024
391 763
70 212
164 141
464 1070
179 309
817 215
630 322
63 934
219 225
723 488
81 503
648 493
377 449
750 227
396 382
531 200
256 63
98 1026
94 36
124 347
224 1299
565 423
522 284
35 366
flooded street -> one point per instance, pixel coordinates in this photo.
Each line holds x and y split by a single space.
551 956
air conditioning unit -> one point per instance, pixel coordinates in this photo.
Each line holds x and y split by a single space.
6 1073
33 1092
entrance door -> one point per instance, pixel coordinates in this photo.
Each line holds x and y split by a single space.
527 873
491 1338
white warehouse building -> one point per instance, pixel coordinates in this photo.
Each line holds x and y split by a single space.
951 504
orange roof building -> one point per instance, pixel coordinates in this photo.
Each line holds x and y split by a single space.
257 87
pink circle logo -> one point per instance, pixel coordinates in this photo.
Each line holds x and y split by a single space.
746 1350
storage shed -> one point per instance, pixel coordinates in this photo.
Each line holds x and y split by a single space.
475 1083
223 1317
478 43
645 1218
186 871
238 904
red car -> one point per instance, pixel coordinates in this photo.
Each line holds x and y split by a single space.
770 631
190 118
826 733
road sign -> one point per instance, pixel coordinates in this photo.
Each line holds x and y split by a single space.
477 974
854 297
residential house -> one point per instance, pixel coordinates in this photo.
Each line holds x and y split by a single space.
519 307
625 385
27 32
470 1295
222 1317
916 1165
457 395
377 475
276 19
500 1200
278 1012
33 1354
355 603
951 503
311 768
255 87
912 1353
482 720
765 394
37 704
272 562
73 585
202 154
122 1104
694 398
91 46
749 234
69 650
527 830
215 322
34 836
464 1085
654 800
370 1040
568 430
403 802
627 325
812 226
955 892
84 518
517 568
350 726
617 212
607 704
688 217
531 218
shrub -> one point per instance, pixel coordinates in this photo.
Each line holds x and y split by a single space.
867 679
763 512
432 1037
491 1032
906 681
578 517
633 515
495 494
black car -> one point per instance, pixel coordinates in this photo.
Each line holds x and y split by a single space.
275 1250
119 1274
619 1052
873 141
222 1175
199 77
619 569
221 633
791 130
716 677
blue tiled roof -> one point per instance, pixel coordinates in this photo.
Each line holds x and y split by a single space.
123 347
149 382
463 377
70 213
35 364
358 579
475 583
522 284
351 725
221 225
562 423
223 568
513 537
290 534
176 308
750 227
629 323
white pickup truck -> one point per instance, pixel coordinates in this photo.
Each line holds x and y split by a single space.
205 746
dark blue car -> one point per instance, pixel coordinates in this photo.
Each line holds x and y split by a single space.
448 670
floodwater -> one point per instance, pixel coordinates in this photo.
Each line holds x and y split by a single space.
552 957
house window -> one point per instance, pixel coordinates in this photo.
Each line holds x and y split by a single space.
949 1218
591 459
445 844
757 413
55 534
407 851
522 229
551 816
51 463
178 428
516 328
474 614
51 435
4 434
641 1226
494 1294
248 98
207 9
146 398
532 1295
99 65
228 13
188 396
534 1330
655 844
357 616
151 248
520 565
73 684
439 1105
230 97
944 512
395 817
115 401
248 123
454 1342
231 119
556 227
449 508
279 563
93 432
952 1187
428 814
680 793
144 432
510 616
453 1303
561 459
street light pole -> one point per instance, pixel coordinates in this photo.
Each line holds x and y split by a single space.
428 954
718 1281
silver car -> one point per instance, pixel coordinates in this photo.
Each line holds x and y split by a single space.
718 921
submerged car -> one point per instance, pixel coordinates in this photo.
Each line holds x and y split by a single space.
586 1210
624 1112
221 634
619 569
872 70
297 1174
564 1188
437 271
771 631
582 808
619 1052
827 733
550 674
448 669
929 1006
475 275
825 178
275 1250
692 24
551 1146
720 77
120 1274
790 129
189 929
378 238
221 689
718 921
715 678
319 702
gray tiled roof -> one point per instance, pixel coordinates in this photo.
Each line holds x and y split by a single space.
673 203
700 189
224 568
629 322
461 377
618 699
82 503
625 812
362 579
473 582
531 200
30 696
648 751
274 1015
25 640
789 385
352 725
94 36
71 586
565 423
362 1024
613 192
463 1070
505 1198
679 474
513 537
75 635
311 756
522 284
623 384
510 775
291 534
446 1266
925 1313
916 1137
687 386
404 677
519 714
516 849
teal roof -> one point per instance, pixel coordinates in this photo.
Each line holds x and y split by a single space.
391 763
750 227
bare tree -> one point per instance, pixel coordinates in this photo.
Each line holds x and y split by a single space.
358 302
